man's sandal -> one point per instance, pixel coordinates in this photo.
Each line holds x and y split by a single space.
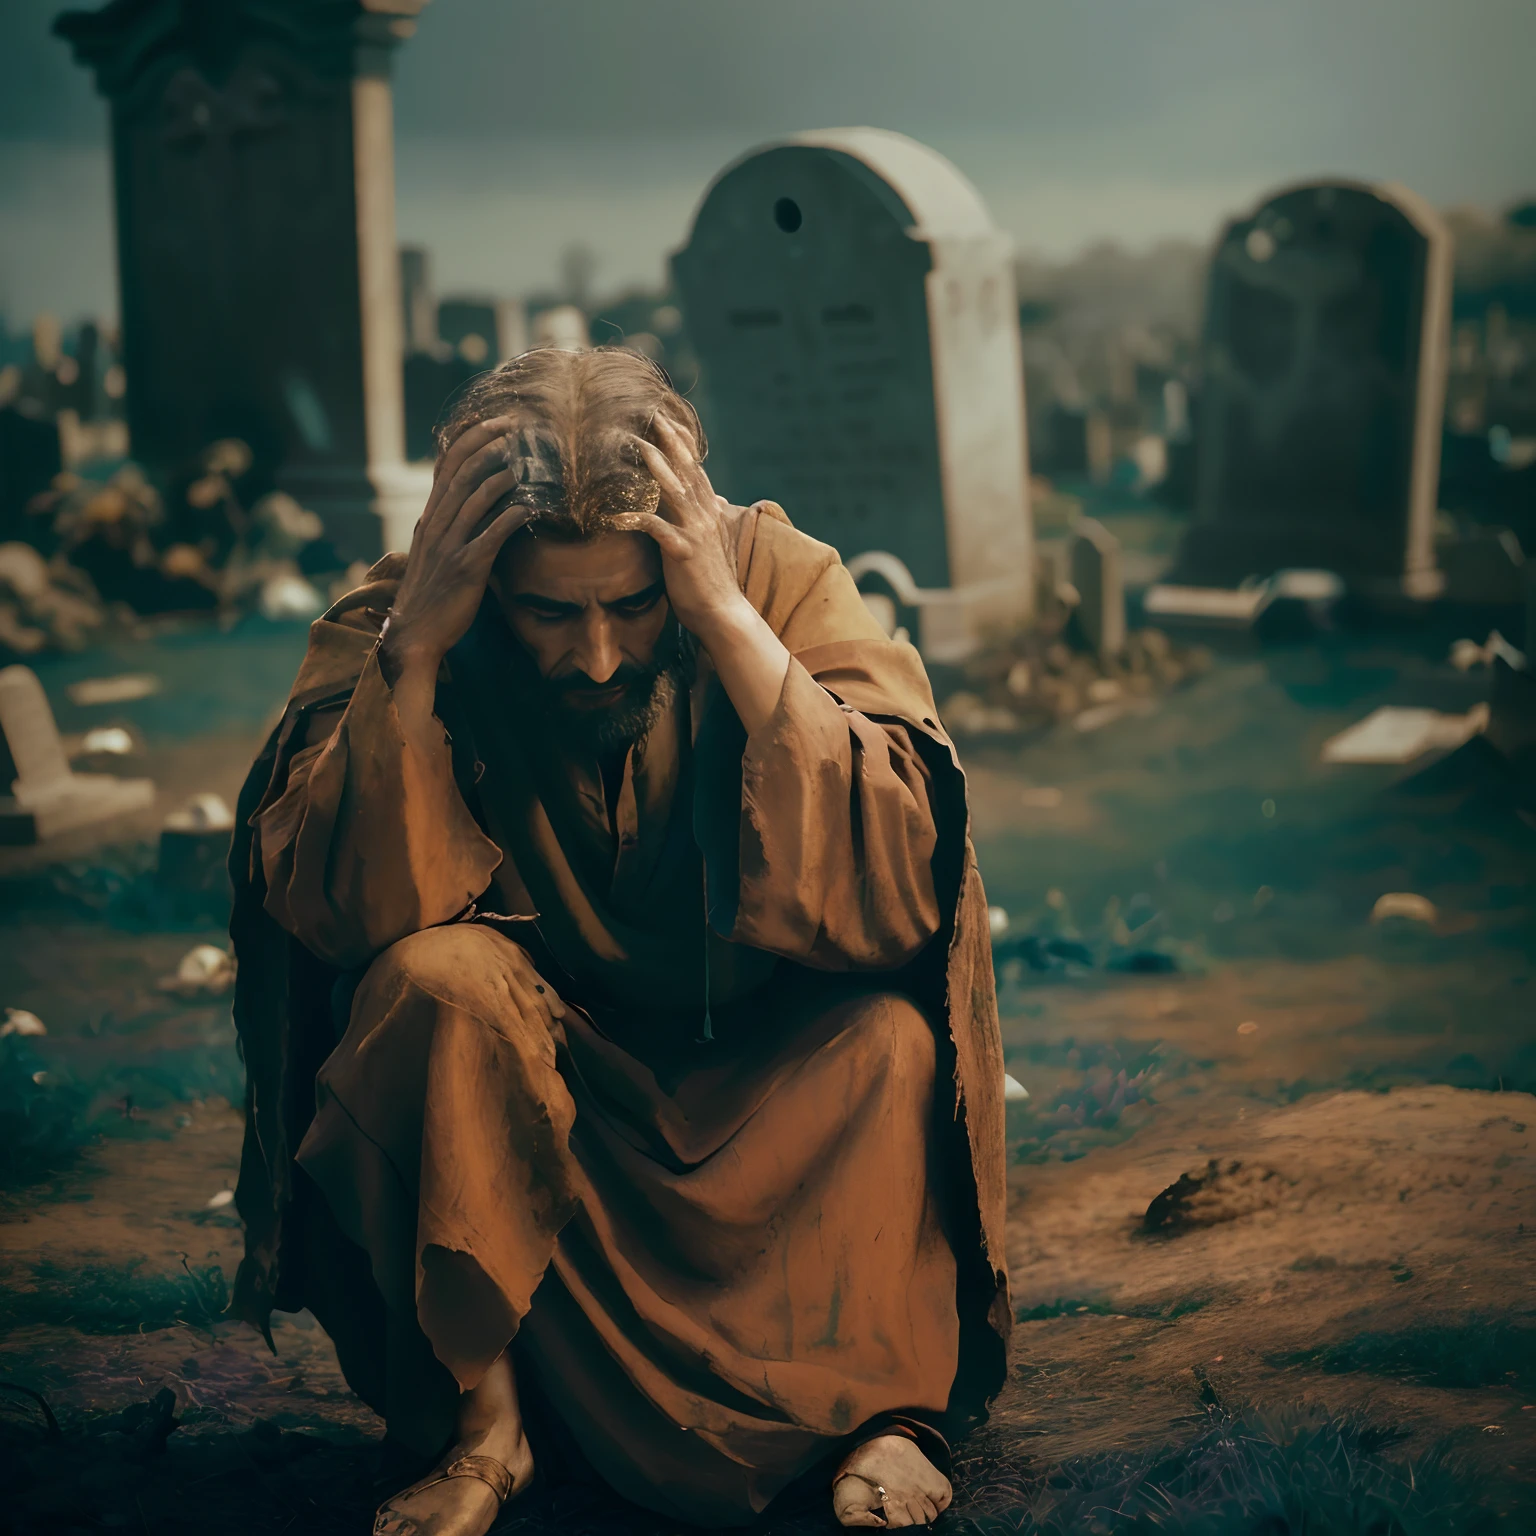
490 1472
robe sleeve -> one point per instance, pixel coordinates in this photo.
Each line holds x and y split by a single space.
369 839
837 836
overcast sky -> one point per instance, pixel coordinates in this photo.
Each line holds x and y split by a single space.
525 124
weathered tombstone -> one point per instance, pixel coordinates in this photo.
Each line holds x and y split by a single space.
258 271
1098 575
46 798
1099 578
1325 346
853 311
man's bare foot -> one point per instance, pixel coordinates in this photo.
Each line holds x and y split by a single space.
490 1424
916 1492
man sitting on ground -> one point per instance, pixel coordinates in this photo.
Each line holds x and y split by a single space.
615 991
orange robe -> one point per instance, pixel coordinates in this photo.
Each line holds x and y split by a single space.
718 1209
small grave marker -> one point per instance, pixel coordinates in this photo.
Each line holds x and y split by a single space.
46 797
1098 575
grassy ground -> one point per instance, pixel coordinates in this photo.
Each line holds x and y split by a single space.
1335 1336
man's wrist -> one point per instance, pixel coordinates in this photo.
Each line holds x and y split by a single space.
732 620
401 656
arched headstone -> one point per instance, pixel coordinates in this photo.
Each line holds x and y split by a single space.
1324 377
853 311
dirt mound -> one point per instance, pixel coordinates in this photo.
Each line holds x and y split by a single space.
1214 1195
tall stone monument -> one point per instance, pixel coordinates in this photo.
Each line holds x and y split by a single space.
253 158
1325 348
853 311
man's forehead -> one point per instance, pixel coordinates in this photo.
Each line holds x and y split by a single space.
609 566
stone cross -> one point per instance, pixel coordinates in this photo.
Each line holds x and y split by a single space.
46 797
853 311
1098 576
1324 360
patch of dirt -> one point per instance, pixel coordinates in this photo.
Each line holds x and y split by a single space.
1403 1216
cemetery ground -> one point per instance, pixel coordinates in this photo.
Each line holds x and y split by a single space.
1330 1325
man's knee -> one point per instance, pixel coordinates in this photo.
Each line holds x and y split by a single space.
893 1026
445 962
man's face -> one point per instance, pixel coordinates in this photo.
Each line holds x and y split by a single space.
594 618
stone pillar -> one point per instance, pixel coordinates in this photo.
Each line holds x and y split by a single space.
254 172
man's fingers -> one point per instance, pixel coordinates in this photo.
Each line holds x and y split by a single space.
488 544
672 491
467 443
668 537
684 461
445 522
482 501
490 462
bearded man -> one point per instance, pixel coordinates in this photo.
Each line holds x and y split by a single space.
616 995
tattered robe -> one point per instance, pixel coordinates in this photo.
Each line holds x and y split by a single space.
748 1197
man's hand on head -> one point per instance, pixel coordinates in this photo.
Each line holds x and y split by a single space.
697 559
699 566
452 551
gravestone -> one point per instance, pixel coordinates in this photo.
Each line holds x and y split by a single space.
45 797
852 308
1324 357
258 271
1098 576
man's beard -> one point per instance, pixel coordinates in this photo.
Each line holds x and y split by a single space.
648 691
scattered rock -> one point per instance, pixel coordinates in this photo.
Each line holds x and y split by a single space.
205 971
114 690
108 741
289 597
1097 717
1406 906
966 714
202 813
44 604
18 1021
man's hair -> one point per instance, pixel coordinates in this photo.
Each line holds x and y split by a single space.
577 414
